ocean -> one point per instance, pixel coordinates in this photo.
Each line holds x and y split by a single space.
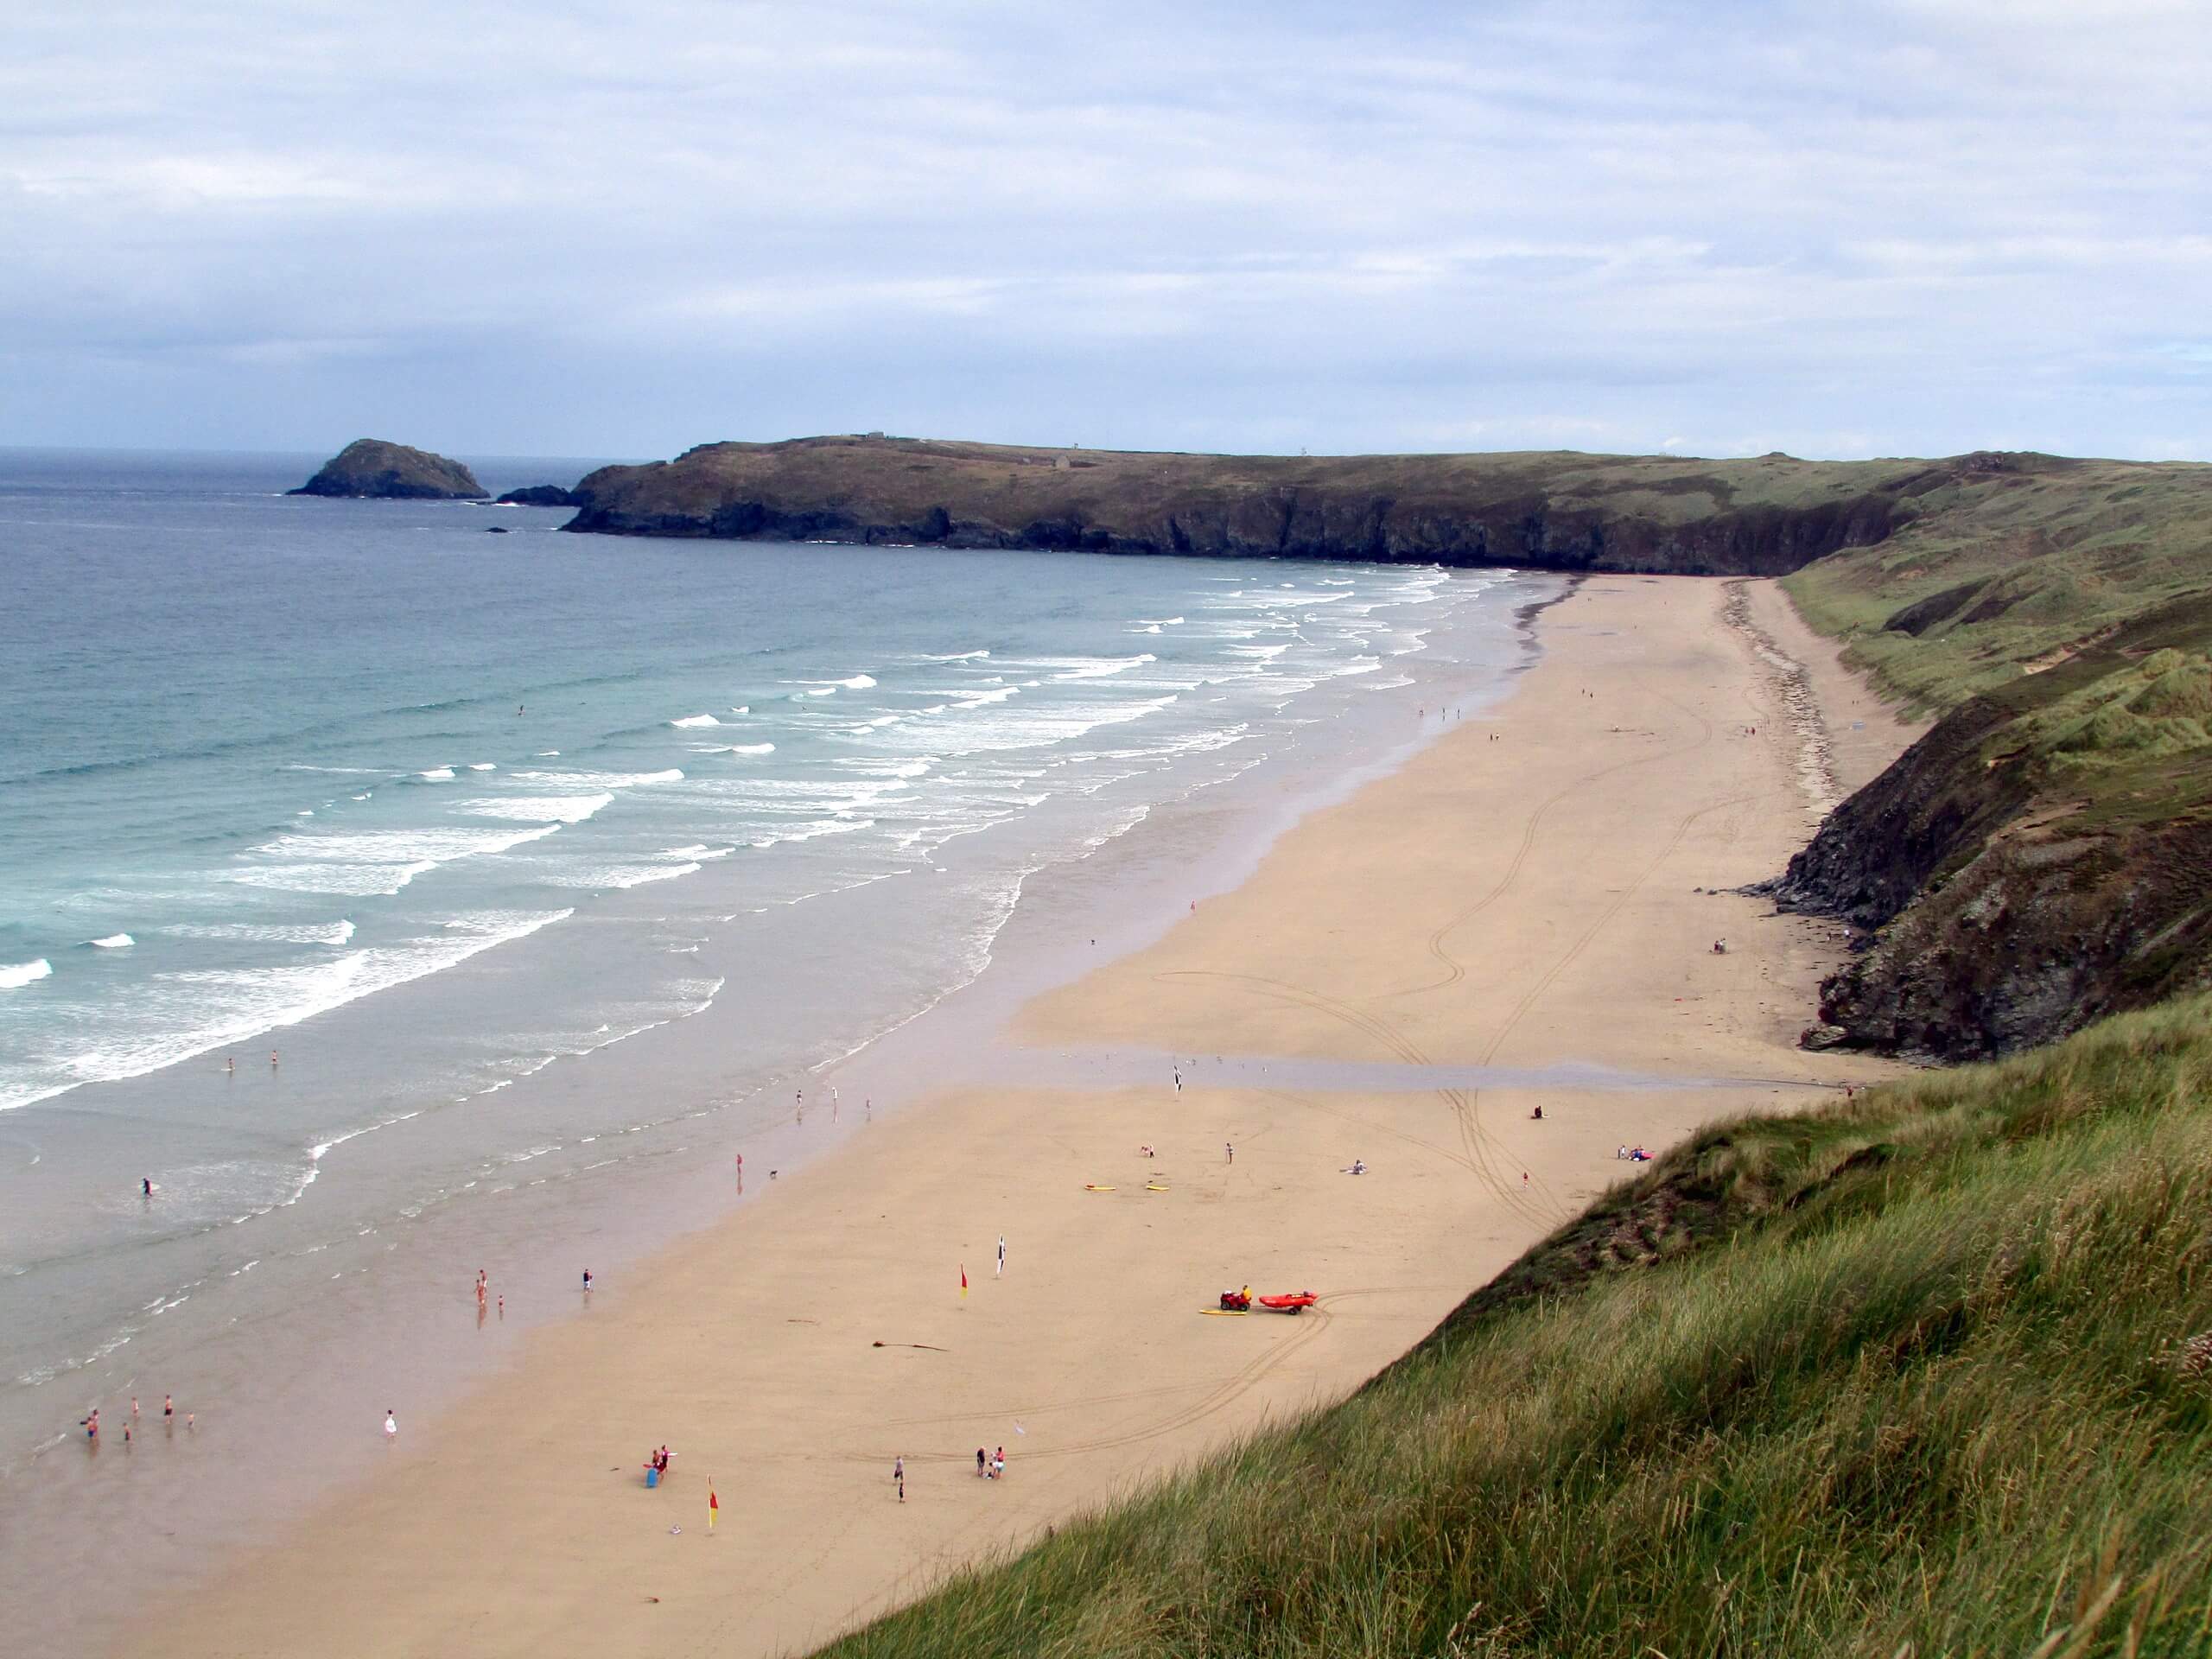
389 893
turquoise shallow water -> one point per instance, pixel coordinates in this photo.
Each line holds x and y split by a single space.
540 861
270 756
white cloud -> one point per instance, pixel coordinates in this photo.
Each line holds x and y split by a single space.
1231 226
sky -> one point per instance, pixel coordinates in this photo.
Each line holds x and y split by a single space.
1895 227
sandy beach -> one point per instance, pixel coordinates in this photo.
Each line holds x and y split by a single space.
1532 902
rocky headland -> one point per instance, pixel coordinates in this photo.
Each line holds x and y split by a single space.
1555 511
372 468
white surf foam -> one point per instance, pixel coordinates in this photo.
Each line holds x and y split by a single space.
15 975
815 831
1093 668
265 933
437 774
113 941
346 880
625 875
213 1007
538 809
483 766
954 656
695 720
370 862
598 779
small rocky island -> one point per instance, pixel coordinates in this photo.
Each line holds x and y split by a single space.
540 495
393 472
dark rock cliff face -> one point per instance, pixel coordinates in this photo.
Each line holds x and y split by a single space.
1877 851
1364 529
371 467
2005 898
2036 937
1651 515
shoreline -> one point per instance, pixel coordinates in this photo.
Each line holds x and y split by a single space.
497 1527
286 1374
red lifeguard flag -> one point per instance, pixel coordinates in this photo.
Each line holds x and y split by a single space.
713 1505
964 1278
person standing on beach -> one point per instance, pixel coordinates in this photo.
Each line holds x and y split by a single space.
390 1424
169 1408
980 1459
1001 1267
587 1281
1231 1150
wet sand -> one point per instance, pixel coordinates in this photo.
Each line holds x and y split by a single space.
1539 889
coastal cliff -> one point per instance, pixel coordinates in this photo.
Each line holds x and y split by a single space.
2041 857
369 468
1554 512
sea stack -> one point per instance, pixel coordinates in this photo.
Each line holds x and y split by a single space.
540 495
393 472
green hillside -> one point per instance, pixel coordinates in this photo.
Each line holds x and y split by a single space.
2010 567
1930 1372
2044 855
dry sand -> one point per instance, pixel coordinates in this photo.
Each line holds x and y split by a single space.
1527 891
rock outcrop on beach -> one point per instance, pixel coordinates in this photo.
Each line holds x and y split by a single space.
1554 512
540 495
372 468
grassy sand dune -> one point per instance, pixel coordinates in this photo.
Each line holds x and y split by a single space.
1922 1372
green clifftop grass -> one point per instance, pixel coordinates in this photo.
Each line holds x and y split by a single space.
1927 1372
2010 566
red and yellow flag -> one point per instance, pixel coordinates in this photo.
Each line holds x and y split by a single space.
713 1505
964 1278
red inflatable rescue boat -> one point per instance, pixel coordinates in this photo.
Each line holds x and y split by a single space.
1297 1303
